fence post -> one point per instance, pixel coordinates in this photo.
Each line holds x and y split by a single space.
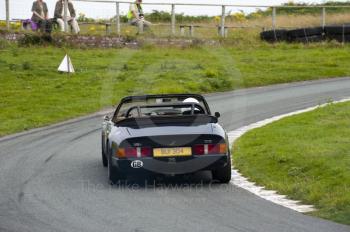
222 26
274 18
117 17
108 28
140 23
191 31
182 30
323 16
173 19
7 6
65 15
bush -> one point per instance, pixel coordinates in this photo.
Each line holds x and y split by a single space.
29 39
34 39
2 23
15 25
238 17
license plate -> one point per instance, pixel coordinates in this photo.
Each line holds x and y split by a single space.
172 152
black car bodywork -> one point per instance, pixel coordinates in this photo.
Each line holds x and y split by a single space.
164 134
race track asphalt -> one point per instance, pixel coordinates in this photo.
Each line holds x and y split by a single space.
53 180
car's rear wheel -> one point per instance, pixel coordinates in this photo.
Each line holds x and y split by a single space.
223 175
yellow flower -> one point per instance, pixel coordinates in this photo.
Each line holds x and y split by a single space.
217 19
15 25
256 15
240 17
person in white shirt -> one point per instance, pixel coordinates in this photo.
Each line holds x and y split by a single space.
59 15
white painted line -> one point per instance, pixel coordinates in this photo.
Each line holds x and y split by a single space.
270 195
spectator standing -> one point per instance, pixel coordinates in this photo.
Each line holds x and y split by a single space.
59 16
136 16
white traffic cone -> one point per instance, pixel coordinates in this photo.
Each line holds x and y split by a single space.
66 65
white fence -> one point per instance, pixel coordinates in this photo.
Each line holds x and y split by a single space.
173 7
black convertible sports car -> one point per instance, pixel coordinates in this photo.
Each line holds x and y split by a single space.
169 134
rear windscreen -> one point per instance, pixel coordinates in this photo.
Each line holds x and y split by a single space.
164 110
138 107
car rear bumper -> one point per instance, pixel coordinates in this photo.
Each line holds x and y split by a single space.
170 166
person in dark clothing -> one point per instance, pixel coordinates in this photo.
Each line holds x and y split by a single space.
40 15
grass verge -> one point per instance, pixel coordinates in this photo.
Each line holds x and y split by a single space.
306 157
34 94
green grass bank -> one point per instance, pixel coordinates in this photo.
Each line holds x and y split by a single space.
34 94
306 157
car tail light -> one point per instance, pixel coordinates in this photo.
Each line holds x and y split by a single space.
199 149
209 149
134 152
131 152
120 153
146 152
